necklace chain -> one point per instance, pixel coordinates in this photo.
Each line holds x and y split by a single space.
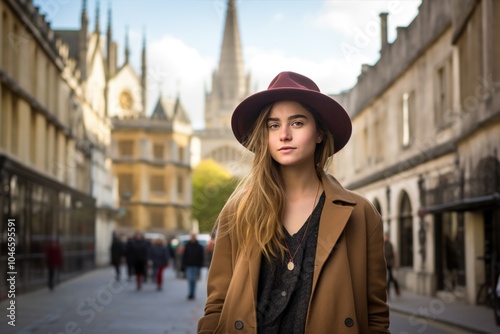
291 265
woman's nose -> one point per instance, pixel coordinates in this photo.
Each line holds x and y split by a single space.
285 134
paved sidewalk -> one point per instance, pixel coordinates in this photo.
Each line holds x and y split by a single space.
420 309
95 303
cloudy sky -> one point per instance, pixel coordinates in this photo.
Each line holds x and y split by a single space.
325 40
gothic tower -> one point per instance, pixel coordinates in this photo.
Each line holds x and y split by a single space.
230 85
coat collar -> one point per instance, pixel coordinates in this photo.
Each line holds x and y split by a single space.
337 209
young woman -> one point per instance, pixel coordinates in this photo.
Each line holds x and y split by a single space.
295 251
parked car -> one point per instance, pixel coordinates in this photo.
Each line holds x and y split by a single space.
181 242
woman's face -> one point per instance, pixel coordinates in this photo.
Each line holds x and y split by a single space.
292 134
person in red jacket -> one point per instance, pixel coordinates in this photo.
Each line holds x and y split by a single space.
54 260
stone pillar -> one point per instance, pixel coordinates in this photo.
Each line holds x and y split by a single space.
474 248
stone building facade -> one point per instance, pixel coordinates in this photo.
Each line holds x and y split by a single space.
47 154
425 145
151 159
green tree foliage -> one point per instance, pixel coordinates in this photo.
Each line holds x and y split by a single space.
212 186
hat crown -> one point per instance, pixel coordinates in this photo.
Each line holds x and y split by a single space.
292 80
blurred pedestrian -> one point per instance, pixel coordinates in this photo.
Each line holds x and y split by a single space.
54 258
117 254
171 253
140 251
192 261
159 257
390 260
295 251
129 258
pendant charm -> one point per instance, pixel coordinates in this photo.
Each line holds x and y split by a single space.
290 265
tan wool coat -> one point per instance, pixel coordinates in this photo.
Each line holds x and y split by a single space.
349 283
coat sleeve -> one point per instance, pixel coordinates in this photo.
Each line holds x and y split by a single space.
219 278
378 310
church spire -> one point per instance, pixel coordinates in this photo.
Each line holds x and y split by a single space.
231 72
97 10
127 50
84 11
229 83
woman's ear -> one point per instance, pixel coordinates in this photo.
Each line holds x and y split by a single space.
319 139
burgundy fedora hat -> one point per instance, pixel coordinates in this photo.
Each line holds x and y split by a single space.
294 87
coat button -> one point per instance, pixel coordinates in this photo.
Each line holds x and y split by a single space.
238 325
348 322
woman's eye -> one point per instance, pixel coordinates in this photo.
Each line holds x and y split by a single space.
273 126
297 123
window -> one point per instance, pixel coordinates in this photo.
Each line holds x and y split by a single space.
180 220
406 231
126 148
407 114
180 185
157 184
15 126
4 120
380 136
5 39
443 97
181 153
32 137
156 217
158 151
125 185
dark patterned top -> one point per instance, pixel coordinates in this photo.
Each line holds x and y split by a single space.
283 296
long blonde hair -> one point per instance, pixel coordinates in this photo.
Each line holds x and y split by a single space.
259 198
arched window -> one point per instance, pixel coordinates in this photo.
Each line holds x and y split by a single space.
405 231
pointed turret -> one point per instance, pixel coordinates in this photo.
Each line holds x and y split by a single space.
82 43
110 56
143 72
127 50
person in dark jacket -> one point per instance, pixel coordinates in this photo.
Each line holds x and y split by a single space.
192 261
159 255
140 251
129 257
117 254
390 262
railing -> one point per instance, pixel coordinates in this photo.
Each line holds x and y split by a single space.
449 192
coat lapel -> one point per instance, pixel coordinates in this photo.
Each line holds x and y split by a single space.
336 212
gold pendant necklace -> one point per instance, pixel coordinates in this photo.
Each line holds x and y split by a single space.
290 264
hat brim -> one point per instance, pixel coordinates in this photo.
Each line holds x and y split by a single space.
330 111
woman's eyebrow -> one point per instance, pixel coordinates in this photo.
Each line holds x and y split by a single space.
291 117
